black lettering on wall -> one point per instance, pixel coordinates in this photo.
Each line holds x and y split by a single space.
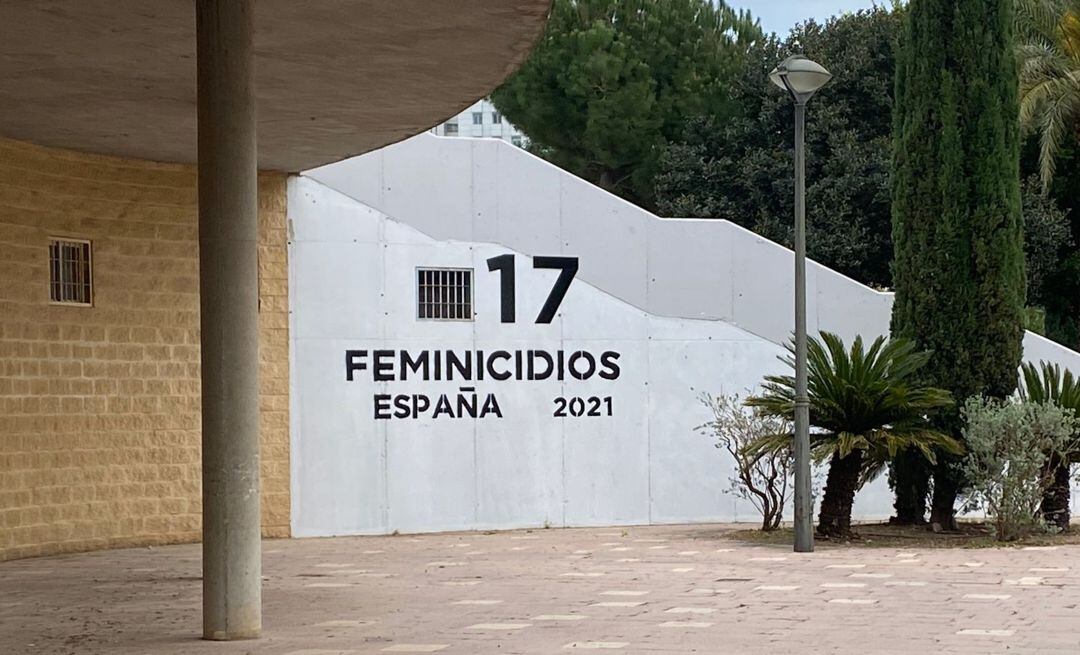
462 366
352 364
505 265
382 406
589 362
610 361
568 267
384 365
415 365
495 374
549 364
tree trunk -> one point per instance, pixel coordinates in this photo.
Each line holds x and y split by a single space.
1055 501
911 482
834 519
947 484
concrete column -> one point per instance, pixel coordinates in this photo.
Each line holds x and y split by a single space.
229 304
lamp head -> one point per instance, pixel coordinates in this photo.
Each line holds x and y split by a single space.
800 77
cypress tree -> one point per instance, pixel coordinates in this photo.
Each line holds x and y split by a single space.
957 223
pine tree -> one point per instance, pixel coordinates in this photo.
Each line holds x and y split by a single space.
611 81
957 226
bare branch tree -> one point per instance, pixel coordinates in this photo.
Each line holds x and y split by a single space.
761 476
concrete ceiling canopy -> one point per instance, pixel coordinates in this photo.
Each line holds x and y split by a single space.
334 78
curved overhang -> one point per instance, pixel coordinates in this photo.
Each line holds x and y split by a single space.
334 78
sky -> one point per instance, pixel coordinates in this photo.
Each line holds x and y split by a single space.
781 15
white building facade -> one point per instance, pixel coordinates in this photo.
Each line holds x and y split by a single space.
481 120
481 340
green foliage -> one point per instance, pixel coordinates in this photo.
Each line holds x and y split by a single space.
865 399
1063 307
611 80
1058 289
1048 35
1009 448
1035 320
958 269
1046 383
1047 239
868 407
741 169
761 477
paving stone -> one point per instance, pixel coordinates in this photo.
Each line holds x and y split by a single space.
755 599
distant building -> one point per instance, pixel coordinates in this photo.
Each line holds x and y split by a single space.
481 120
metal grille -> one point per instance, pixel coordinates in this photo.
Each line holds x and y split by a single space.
70 278
444 294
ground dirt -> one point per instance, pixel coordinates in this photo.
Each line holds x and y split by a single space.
884 535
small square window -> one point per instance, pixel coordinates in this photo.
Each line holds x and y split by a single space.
444 294
450 129
70 272
478 118
496 117
516 140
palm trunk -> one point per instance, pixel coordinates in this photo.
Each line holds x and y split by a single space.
834 519
911 483
1055 501
947 484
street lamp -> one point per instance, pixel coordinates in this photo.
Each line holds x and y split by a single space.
801 78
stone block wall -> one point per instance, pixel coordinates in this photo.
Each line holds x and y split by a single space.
99 406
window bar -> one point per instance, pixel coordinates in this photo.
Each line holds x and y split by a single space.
430 281
78 274
87 273
425 281
455 300
441 294
54 272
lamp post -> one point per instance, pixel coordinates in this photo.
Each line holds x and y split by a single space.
801 78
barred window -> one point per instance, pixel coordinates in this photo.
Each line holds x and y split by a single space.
70 272
444 294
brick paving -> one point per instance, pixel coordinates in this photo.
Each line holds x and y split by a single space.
635 590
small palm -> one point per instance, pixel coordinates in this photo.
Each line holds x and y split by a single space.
867 406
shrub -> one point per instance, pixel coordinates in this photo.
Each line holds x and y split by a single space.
1009 446
761 477
1047 384
868 405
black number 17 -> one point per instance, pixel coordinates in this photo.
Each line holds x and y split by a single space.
567 266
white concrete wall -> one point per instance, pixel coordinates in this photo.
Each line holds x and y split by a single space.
693 280
483 190
352 275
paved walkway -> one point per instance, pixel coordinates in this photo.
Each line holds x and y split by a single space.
635 590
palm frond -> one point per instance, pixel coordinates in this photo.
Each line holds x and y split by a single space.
1046 383
1048 51
865 399
1055 126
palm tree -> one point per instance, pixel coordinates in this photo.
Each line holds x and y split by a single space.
1046 384
866 406
1048 38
